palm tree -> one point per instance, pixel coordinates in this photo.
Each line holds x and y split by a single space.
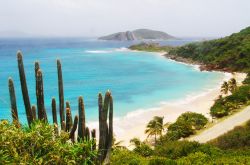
117 144
224 88
136 142
232 85
155 127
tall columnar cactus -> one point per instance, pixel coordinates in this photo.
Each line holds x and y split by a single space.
63 126
67 104
87 135
68 120
93 136
42 115
110 132
37 67
70 115
61 94
105 131
72 132
13 103
25 93
81 124
53 105
33 109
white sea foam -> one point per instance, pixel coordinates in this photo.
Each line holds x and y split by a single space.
98 51
122 49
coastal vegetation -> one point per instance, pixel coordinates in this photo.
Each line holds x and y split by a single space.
224 150
39 144
230 53
150 47
240 97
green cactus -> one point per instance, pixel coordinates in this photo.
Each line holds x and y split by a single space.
33 109
72 132
68 119
87 135
67 104
110 132
63 128
37 67
61 94
13 103
25 93
93 136
42 115
81 124
53 105
105 131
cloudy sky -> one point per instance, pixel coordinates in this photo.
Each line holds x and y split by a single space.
200 18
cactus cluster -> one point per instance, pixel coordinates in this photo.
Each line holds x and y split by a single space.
68 125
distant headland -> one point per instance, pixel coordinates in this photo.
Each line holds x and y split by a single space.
139 34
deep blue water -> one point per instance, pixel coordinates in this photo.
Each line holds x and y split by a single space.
137 80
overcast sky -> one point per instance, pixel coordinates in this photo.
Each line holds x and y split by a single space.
200 18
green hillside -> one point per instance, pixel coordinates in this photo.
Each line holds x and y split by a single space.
231 53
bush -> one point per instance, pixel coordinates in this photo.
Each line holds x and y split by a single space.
247 80
143 150
218 109
124 156
186 125
161 161
38 145
194 158
223 106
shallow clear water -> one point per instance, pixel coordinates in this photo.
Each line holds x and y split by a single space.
137 80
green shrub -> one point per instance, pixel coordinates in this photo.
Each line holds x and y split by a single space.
143 150
161 161
196 120
175 149
178 149
247 80
223 106
38 145
218 109
186 125
194 158
126 157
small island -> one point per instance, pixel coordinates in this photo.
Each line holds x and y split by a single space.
139 34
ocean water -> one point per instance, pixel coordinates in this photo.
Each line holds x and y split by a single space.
137 80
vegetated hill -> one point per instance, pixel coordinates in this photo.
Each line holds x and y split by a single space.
230 53
139 34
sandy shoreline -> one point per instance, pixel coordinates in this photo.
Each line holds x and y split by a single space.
129 126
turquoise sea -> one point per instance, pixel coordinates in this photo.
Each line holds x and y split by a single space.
137 80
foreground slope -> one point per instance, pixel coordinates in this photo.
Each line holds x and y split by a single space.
223 127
